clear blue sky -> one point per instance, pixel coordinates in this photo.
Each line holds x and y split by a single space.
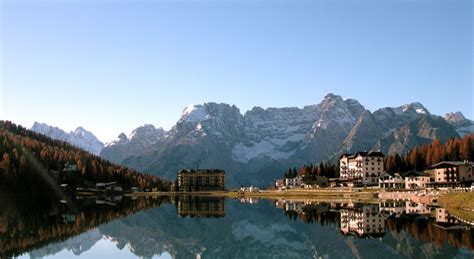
111 66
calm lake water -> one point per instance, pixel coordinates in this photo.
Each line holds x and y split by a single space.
200 227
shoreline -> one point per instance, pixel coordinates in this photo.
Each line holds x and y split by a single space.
343 194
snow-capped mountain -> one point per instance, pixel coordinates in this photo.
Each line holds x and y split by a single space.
462 125
80 137
256 147
140 139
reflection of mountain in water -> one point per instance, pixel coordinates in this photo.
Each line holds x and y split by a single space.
77 244
215 228
27 224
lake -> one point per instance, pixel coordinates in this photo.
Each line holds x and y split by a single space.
212 227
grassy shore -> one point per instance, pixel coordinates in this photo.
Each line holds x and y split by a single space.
460 204
305 193
340 193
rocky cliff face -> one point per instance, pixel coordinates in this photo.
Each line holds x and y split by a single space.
256 147
462 125
139 140
80 137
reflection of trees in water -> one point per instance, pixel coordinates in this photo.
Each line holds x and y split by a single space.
320 213
27 226
427 230
315 213
27 223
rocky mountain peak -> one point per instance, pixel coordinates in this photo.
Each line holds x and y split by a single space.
193 113
462 125
139 140
81 137
454 117
337 111
122 138
414 107
146 131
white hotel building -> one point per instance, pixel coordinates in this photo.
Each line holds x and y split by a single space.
365 167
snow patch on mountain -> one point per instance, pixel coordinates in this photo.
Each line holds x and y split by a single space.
264 148
416 107
194 113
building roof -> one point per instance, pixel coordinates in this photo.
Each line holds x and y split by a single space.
385 173
445 164
375 154
413 174
201 171
363 154
345 155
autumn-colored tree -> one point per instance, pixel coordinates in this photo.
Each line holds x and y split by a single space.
22 147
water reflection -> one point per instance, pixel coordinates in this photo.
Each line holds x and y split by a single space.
199 206
421 221
211 227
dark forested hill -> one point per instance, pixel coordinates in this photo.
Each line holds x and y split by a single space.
32 162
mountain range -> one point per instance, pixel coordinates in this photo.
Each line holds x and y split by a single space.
80 137
258 146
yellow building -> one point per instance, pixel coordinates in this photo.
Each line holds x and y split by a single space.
201 180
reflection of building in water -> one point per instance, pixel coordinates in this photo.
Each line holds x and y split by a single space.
294 206
196 206
442 216
249 200
392 207
201 180
417 208
365 221
397 208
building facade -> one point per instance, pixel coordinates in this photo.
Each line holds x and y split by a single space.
388 181
416 180
200 180
363 166
452 172
295 182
